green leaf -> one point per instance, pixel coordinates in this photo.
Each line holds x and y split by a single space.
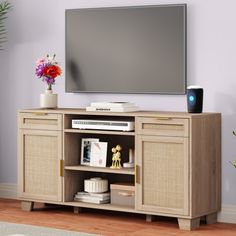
233 163
4 9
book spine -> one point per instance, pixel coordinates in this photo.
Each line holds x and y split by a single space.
91 198
98 195
92 201
112 109
111 104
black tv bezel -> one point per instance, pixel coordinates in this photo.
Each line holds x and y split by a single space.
184 5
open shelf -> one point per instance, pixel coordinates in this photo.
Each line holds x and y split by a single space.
110 132
125 171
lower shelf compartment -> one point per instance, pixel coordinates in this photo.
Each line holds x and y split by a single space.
106 206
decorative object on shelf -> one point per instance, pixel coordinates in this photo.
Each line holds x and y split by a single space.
194 98
98 154
86 150
48 69
123 194
130 164
48 99
116 160
96 185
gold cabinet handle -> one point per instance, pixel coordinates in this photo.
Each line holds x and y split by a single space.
163 118
136 174
40 113
61 168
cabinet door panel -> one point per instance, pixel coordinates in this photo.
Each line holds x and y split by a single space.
39 164
163 183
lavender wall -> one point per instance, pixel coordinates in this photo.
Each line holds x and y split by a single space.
38 27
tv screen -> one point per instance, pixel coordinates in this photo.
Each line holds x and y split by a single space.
126 50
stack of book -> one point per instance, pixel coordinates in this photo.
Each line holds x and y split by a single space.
112 107
97 198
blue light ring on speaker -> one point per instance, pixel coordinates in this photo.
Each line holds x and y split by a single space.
191 98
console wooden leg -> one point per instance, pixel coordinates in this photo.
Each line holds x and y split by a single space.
211 218
189 224
149 218
77 210
27 206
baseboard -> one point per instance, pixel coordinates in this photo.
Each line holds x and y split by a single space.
8 191
227 214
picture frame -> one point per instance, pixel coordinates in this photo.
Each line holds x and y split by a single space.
86 150
98 154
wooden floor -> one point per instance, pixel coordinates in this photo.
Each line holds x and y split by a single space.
104 222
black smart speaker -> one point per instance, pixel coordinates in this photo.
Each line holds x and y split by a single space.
194 99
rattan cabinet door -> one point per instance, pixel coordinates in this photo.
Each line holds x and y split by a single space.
40 152
162 183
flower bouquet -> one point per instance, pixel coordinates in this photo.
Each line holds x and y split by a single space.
48 70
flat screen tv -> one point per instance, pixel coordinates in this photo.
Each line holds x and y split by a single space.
126 50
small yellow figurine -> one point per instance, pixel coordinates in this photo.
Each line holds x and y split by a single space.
116 157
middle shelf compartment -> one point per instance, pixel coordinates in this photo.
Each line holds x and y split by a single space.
73 148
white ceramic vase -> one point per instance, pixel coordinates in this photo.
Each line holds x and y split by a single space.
48 99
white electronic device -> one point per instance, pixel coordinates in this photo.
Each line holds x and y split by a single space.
130 164
103 125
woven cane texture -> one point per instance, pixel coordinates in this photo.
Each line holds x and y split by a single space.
163 184
41 165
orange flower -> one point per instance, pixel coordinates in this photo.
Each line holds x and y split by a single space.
52 71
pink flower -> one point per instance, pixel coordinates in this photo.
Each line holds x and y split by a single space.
40 61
